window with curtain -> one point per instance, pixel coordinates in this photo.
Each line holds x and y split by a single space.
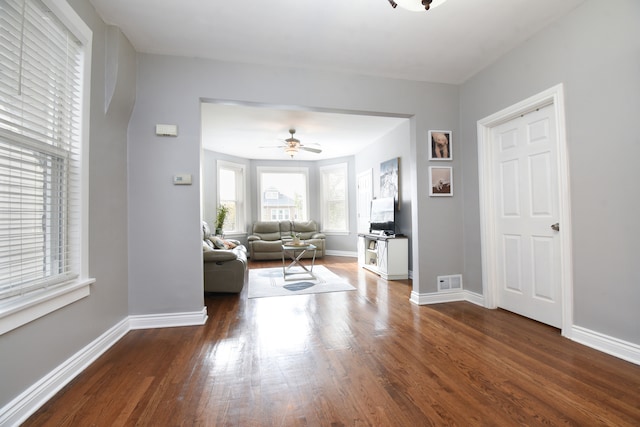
41 100
334 194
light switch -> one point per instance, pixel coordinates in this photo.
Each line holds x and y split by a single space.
182 179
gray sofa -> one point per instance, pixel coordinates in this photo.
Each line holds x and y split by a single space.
224 263
265 241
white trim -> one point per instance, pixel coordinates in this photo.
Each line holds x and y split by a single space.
168 320
615 347
342 253
240 170
260 170
324 171
29 401
21 310
441 297
553 96
24 405
29 308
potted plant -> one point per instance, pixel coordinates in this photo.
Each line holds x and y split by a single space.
221 215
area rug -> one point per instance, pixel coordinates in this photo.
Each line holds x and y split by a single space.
269 282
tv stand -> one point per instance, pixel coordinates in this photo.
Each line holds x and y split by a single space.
387 256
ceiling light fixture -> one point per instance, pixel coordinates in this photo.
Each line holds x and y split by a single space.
416 5
291 150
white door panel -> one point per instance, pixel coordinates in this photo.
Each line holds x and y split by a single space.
527 205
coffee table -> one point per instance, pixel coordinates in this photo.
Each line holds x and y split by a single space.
295 252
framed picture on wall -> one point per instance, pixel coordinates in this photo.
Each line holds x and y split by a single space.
440 181
389 184
440 145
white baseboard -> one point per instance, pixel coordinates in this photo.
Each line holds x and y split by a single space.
440 297
23 406
606 344
342 253
28 402
168 320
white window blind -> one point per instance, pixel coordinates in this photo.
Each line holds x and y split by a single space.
40 86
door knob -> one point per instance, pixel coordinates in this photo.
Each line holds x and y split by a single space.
556 226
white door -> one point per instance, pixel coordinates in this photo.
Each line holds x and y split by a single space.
365 194
527 214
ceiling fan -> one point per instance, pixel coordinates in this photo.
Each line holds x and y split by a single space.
293 145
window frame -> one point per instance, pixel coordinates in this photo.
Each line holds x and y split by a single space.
324 172
21 309
260 170
241 178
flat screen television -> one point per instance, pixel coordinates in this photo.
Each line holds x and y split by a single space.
383 216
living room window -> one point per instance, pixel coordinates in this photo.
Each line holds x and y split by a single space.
334 196
44 81
280 214
283 189
231 193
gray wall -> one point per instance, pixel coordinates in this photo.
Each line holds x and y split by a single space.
396 143
595 52
165 216
33 350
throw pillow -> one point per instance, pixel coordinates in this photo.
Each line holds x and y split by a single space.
228 244
217 242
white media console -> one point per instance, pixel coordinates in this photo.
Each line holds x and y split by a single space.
387 256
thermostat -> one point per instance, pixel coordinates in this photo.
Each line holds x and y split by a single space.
167 130
182 179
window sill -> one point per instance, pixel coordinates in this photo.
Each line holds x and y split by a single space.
335 233
21 310
234 234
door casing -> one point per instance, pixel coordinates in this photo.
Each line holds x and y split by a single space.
553 96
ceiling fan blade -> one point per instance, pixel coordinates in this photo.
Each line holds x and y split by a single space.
313 150
272 146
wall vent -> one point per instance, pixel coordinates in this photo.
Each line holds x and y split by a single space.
450 283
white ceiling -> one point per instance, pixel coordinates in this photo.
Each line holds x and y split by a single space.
447 44
256 132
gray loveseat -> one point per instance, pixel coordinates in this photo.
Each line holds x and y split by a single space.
265 241
224 263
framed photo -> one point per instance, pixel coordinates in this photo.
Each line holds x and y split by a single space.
389 178
440 145
440 181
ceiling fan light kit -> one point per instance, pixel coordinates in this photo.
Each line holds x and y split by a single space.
293 145
290 151
416 5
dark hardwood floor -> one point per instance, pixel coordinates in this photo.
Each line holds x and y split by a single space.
362 358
